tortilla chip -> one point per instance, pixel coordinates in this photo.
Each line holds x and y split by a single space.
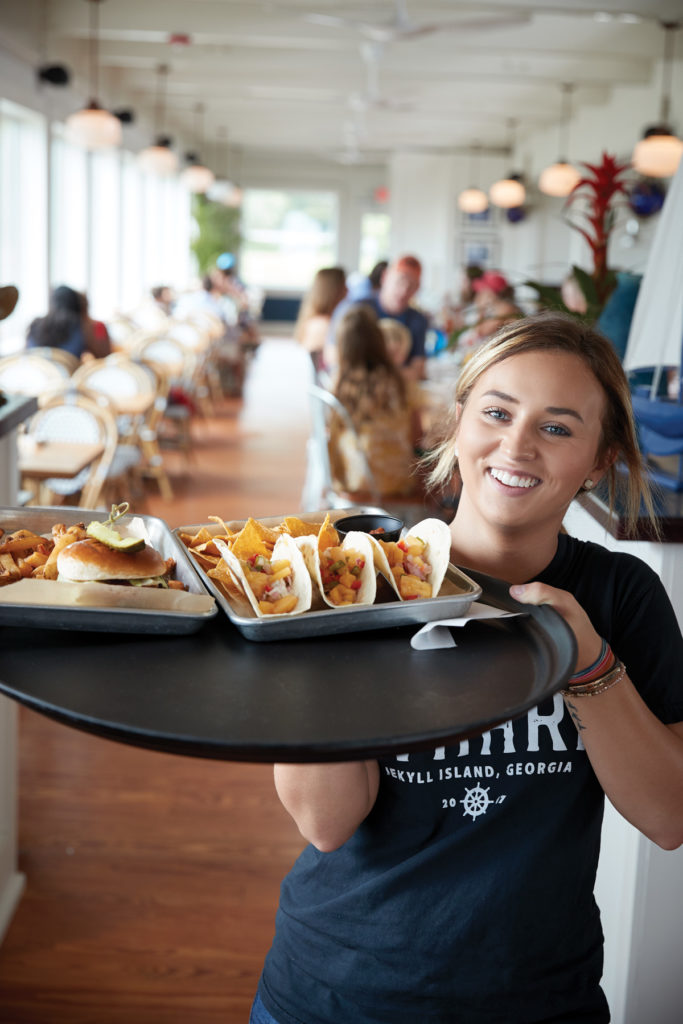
222 575
327 535
296 527
254 539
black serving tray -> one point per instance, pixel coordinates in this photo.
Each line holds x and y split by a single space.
215 694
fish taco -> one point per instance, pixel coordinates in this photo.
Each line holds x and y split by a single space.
344 573
415 565
275 581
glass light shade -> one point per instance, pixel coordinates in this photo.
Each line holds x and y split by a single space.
559 179
657 156
197 178
235 199
94 128
507 193
221 191
158 160
473 200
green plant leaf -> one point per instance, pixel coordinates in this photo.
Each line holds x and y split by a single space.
217 231
549 295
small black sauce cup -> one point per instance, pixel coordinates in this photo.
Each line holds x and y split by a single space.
383 527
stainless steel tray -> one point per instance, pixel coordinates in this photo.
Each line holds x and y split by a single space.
457 594
114 620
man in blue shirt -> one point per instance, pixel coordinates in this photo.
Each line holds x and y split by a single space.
400 283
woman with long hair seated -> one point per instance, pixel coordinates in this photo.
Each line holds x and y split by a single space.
313 323
386 424
68 326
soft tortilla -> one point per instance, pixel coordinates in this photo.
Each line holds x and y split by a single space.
437 537
312 548
285 548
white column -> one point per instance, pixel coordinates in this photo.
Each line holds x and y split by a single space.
11 881
639 887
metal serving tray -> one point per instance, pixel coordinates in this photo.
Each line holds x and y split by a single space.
458 592
111 620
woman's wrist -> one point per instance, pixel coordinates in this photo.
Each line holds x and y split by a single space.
604 661
601 684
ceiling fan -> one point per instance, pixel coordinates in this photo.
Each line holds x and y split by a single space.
401 26
371 52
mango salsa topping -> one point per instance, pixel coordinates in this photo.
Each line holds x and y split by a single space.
271 583
341 570
409 567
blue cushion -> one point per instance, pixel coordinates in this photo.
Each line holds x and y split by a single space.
615 319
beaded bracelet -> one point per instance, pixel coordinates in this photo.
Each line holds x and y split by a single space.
604 660
599 685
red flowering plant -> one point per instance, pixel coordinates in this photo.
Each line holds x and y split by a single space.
600 188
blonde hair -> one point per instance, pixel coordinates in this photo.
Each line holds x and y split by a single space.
397 338
327 290
547 332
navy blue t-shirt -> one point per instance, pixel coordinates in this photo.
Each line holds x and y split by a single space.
412 318
466 896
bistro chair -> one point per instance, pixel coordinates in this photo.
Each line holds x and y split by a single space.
120 329
68 360
321 489
26 373
74 417
199 341
132 393
323 486
176 365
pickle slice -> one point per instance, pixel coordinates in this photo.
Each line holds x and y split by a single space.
113 539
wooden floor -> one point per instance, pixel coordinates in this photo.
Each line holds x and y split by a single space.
152 880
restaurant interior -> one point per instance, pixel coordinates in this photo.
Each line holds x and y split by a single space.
188 168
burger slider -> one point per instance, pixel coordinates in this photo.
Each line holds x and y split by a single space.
91 561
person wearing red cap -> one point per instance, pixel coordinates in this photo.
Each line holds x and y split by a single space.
495 305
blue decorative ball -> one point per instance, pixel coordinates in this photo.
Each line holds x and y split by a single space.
515 214
646 198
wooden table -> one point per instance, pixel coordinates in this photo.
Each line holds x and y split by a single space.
62 459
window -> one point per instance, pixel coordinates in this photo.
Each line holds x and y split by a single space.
287 237
103 289
23 218
132 248
375 240
68 214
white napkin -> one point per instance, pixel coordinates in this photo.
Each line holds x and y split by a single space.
437 634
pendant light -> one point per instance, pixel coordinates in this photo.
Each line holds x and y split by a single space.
658 154
560 178
223 189
196 177
159 158
93 127
508 192
473 199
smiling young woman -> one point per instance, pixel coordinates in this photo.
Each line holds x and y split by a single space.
403 907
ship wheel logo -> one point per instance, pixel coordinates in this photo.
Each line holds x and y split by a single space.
476 801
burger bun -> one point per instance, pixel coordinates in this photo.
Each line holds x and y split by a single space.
90 560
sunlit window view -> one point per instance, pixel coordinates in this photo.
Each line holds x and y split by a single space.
375 240
287 236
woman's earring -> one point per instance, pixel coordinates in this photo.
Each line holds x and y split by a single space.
456 452
588 484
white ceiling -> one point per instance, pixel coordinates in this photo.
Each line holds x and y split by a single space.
295 76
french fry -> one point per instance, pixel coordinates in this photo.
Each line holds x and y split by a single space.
62 538
9 570
22 540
